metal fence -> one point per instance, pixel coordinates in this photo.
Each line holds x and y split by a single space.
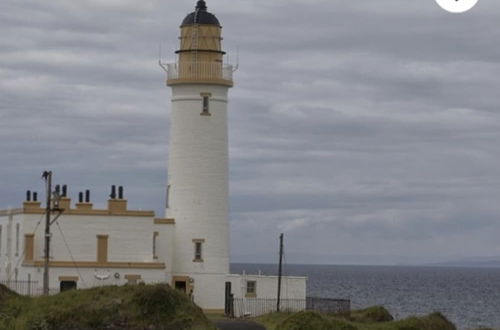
27 288
259 306
200 70
328 305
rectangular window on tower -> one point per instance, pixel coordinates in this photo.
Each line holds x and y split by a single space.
198 250
205 104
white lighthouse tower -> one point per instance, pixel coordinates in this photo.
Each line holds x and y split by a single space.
197 193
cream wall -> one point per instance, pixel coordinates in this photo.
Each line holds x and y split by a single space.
9 259
130 243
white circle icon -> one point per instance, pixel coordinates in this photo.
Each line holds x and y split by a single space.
457 6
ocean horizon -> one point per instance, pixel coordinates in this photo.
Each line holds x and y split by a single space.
467 296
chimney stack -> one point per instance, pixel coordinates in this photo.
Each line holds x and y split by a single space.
113 192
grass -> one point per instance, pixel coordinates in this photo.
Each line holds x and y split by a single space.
374 318
111 307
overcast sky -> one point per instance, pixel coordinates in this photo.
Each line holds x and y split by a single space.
366 131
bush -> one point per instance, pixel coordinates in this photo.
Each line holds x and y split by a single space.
371 314
434 321
312 321
126 307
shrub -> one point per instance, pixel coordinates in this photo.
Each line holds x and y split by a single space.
312 321
371 314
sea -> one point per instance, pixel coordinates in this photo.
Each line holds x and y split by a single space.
469 297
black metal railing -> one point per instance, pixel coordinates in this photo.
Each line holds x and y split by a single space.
25 288
259 306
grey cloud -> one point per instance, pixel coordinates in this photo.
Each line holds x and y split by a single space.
375 123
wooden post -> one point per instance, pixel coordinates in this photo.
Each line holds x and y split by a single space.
279 273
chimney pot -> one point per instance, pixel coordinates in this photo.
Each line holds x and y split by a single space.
113 192
28 195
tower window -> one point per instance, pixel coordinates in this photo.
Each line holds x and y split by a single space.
205 104
198 250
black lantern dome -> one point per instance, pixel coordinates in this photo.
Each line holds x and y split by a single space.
200 16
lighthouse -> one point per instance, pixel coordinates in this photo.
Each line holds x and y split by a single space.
197 188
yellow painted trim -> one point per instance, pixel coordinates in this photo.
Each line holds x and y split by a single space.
117 205
68 278
189 285
250 295
29 247
198 240
102 248
90 212
132 277
206 94
32 207
65 203
83 206
164 221
223 82
93 264
205 114
12 211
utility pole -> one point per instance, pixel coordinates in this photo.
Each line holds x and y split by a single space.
279 273
47 175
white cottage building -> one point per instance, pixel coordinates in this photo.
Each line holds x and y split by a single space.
189 247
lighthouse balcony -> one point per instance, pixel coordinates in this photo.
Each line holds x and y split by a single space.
199 73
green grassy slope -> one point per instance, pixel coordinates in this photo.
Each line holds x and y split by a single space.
374 318
111 307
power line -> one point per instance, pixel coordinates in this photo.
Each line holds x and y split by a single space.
70 254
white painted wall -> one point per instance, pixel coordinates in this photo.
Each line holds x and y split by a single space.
292 287
9 259
130 240
198 196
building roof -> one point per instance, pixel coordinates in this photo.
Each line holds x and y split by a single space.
201 16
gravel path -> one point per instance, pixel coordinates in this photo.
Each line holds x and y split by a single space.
238 325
